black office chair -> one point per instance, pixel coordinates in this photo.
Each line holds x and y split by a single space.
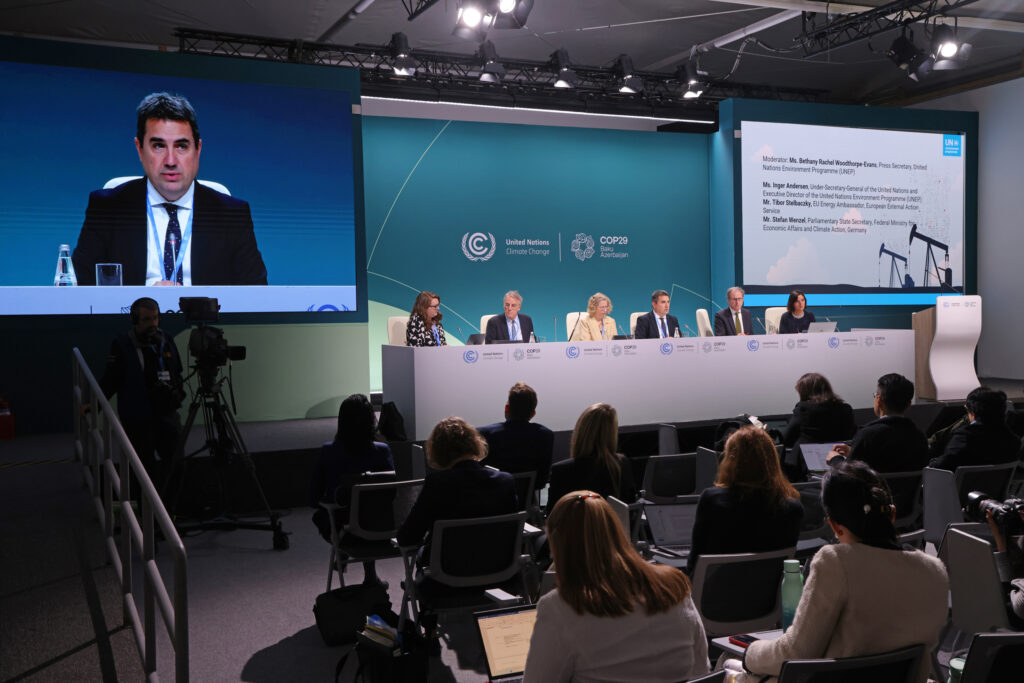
739 592
994 657
898 666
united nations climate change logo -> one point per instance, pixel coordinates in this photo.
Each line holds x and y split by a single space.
478 246
519 354
471 356
666 349
572 352
833 342
753 345
582 246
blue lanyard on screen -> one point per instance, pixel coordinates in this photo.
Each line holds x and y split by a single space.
437 335
186 235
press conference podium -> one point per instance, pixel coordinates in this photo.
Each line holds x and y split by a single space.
945 337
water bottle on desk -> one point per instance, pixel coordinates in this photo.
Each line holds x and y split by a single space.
65 275
792 588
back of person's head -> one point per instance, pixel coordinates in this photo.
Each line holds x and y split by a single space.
751 465
814 387
895 392
423 300
853 495
356 424
596 435
522 402
163 106
988 405
598 570
451 440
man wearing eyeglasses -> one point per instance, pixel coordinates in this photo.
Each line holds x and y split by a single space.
513 325
735 319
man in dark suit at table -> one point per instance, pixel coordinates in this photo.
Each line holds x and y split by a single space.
167 229
511 325
518 445
735 319
657 324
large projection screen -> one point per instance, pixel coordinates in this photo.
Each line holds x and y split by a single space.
854 215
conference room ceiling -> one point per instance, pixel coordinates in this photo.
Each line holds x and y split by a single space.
658 35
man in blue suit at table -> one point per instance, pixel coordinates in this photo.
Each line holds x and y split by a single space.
518 445
657 324
512 325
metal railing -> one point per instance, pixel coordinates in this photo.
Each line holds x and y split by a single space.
109 461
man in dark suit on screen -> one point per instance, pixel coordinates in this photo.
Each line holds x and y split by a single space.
511 325
167 229
735 319
658 323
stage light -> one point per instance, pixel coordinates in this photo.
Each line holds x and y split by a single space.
910 58
401 62
628 83
491 71
565 77
473 19
516 16
689 75
944 42
506 6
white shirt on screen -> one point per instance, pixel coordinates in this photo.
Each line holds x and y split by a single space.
155 249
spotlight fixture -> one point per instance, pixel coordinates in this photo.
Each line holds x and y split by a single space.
910 58
689 74
402 63
565 77
628 82
947 50
512 13
473 19
491 71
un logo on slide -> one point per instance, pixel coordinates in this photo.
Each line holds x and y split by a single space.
753 345
470 356
666 349
478 246
833 342
582 246
572 352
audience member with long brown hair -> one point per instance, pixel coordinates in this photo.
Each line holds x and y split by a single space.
752 507
821 415
614 616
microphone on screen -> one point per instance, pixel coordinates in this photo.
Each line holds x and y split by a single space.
690 330
763 327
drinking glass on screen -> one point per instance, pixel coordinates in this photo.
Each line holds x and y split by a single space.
108 274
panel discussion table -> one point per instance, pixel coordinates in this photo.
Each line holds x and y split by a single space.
648 381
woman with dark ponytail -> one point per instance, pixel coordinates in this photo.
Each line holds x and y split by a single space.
865 595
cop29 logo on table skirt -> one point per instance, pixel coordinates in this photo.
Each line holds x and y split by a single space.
666 349
582 246
478 246
470 356
572 351
753 345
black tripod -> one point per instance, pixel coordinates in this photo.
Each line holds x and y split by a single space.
224 442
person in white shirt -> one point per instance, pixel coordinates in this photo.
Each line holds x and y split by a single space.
657 324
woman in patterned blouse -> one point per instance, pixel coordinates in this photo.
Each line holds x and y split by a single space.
424 327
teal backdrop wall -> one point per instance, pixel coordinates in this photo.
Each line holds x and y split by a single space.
638 200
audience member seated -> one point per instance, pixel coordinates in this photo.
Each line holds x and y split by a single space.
614 617
341 461
820 416
797 318
594 465
424 328
518 445
752 507
892 443
1010 564
865 595
985 439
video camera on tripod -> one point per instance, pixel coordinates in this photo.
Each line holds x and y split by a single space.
206 343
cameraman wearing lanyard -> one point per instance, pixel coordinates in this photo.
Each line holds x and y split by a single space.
144 370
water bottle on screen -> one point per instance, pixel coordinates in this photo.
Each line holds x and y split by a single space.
65 275
792 588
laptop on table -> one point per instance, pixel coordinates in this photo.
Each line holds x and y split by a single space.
505 634
672 528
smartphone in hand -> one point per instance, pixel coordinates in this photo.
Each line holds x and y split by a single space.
742 640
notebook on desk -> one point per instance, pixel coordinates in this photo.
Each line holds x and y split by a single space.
671 526
506 636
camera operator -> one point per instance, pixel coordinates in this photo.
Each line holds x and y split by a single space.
1010 560
144 370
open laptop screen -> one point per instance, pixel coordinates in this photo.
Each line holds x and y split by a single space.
506 637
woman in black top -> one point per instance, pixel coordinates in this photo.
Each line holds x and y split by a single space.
594 464
820 416
796 318
751 508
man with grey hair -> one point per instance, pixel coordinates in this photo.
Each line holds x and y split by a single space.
735 319
512 325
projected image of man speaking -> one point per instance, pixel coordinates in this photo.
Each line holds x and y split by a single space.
167 229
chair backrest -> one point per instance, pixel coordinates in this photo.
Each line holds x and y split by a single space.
669 476
898 666
668 439
906 496
772 318
483 322
739 593
941 503
375 509
524 483
633 317
978 601
704 328
396 329
992 479
716 677
814 523
496 543
121 180
570 322
994 657
630 516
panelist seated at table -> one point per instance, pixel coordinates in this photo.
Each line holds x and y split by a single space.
424 328
796 318
166 229
600 325
735 319
864 595
511 325
657 324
